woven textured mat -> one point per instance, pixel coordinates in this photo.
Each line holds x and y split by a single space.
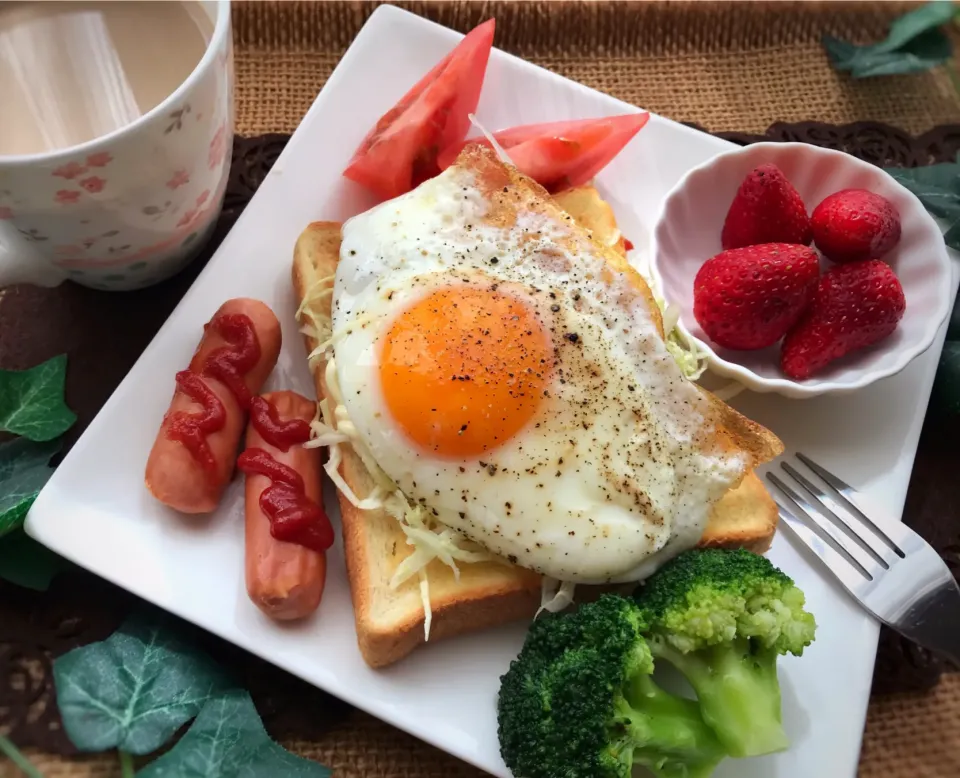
728 67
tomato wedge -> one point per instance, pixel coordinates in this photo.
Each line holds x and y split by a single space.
561 155
400 152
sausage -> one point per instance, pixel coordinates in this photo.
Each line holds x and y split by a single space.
285 580
174 474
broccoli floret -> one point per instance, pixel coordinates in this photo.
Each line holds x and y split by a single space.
722 618
579 702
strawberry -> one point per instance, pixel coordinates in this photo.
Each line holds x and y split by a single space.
766 209
855 306
748 298
855 224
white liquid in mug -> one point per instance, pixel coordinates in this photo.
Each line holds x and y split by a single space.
74 71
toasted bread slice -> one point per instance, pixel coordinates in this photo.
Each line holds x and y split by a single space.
745 517
593 212
390 622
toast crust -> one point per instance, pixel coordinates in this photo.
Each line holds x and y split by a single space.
390 623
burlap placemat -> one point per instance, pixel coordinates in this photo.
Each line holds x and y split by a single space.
734 66
727 66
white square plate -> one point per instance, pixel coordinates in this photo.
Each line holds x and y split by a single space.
96 512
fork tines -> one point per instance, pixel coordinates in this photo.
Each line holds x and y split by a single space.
827 515
833 510
887 567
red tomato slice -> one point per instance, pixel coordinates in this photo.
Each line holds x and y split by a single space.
400 152
561 155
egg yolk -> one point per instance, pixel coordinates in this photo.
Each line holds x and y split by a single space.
464 369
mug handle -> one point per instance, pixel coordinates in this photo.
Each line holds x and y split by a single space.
21 263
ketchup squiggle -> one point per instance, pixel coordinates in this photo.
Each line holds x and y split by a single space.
294 517
228 364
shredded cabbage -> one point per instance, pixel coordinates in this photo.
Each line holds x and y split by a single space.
425 598
504 157
555 595
684 350
314 328
318 289
686 353
322 434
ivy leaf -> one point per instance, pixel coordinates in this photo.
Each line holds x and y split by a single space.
937 186
915 43
923 53
31 401
914 23
839 51
938 189
228 741
26 563
952 236
24 469
133 690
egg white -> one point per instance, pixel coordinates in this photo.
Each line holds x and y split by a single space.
615 472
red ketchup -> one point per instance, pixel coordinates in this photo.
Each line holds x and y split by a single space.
278 433
228 364
294 517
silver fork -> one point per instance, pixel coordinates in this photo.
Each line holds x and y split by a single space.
888 568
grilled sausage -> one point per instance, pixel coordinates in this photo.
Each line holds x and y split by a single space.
284 579
194 454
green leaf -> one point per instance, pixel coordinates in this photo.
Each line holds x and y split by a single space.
228 741
923 53
839 51
16 757
31 401
126 765
913 24
937 186
26 563
915 43
133 690
24 469
952 236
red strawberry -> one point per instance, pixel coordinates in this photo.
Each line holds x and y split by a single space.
748 298
855 224
766 209
855 306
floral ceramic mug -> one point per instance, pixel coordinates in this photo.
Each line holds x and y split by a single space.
133 207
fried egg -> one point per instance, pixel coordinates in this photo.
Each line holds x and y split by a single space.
511 378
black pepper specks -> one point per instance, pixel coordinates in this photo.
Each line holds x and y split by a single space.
610 409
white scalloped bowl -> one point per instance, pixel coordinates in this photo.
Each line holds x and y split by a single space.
687 233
